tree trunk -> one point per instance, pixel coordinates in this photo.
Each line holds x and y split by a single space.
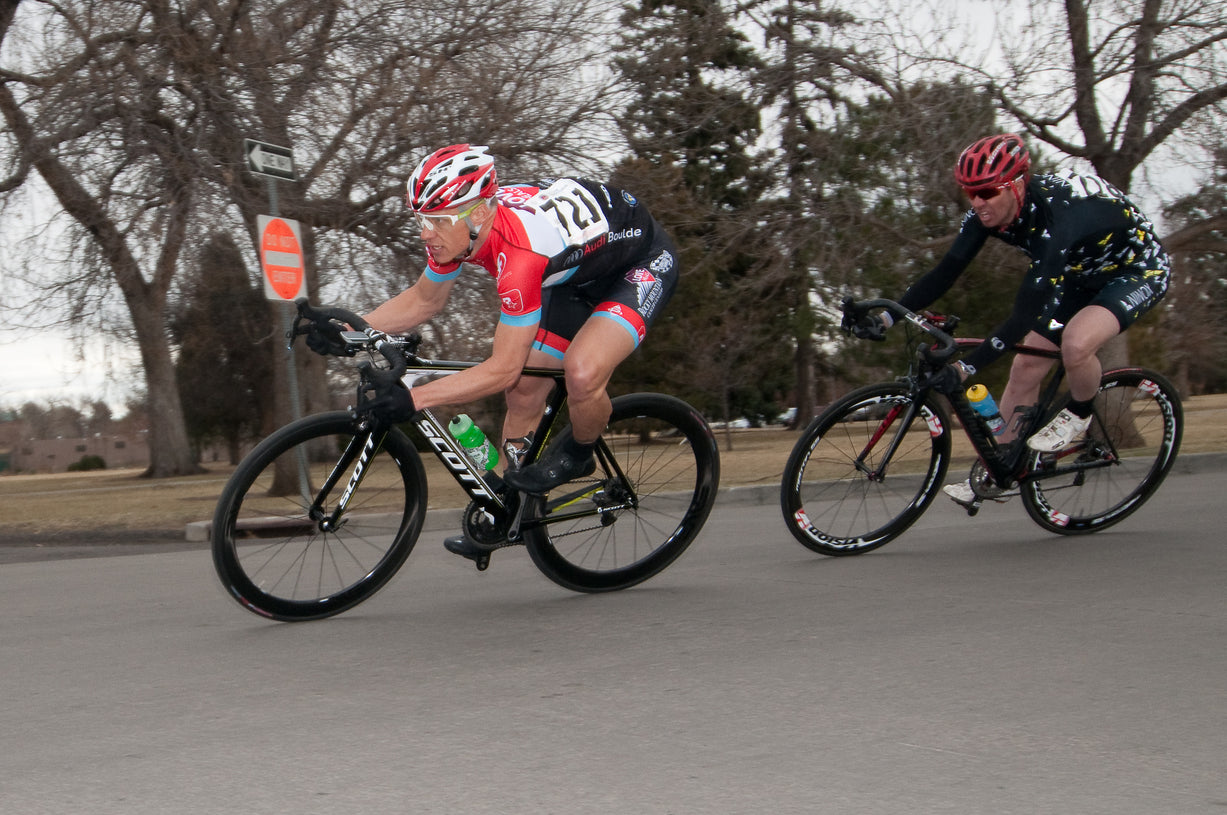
805 381
170 449
1115 353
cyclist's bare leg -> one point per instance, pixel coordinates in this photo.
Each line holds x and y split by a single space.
597 350
526 398
1085 333
1023 387
589 362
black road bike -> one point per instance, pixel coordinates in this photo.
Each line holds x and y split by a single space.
323 512
867 468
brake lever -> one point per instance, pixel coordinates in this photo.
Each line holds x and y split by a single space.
293 331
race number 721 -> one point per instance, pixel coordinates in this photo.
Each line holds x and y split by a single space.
574 209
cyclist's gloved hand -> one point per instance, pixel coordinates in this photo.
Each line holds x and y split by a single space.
870 327
393 404
392 401
327 340
947 379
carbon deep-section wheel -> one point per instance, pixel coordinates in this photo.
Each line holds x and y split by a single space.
1127 452
857 478
281 547
642 507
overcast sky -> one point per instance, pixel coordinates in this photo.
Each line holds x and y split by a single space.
43 366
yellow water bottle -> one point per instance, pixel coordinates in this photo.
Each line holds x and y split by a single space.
986 406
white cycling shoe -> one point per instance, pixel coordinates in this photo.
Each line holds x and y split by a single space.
1064 429
962 494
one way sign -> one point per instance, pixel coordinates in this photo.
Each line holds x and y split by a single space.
270 160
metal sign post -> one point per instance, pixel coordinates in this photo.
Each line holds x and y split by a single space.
281 254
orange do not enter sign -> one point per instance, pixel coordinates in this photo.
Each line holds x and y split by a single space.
281 258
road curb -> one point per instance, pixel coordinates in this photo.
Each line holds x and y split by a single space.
744 495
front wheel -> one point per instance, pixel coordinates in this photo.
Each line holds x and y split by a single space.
1128 451
861 473
281 545
658 471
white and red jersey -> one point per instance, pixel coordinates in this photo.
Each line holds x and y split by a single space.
558 231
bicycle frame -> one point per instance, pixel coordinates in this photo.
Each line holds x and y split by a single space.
839 494
476 482
481 487
1003 462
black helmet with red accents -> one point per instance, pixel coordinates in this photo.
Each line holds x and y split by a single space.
993 162
451 176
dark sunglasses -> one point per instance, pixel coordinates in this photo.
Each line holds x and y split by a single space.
984 193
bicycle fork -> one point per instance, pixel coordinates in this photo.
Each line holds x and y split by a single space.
357 455
908 412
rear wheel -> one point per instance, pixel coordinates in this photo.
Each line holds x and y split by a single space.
840 495
276 545
1128 451
657 475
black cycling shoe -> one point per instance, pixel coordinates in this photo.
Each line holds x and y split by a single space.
463 546
468 548
557 467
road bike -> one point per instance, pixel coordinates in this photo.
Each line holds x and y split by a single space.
869 466
322 513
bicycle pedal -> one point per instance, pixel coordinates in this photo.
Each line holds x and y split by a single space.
998 496
972 507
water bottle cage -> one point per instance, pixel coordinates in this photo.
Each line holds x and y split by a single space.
515 449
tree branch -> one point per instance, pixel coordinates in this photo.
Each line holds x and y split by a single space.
1202 236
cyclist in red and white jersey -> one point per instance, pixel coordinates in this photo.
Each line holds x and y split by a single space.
582 270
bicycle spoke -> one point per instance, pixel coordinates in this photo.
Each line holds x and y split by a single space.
655 485
858 477
279 562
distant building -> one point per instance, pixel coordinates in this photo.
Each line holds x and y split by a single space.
55 455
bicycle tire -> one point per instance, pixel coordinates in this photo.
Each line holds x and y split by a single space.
279 563
833 506
1141 453
670 457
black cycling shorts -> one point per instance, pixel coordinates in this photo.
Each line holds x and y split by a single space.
1127 296
632 299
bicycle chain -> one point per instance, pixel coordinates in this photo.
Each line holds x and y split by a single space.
982 484
576 531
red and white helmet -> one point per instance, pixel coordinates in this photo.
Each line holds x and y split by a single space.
993 162
454 175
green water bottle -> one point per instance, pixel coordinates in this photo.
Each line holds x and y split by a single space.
480 449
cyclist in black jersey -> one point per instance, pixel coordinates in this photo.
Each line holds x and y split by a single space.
1096 267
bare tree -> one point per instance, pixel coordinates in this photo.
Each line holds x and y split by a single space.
1111 83
1107 83
56 138
133 114
1190 336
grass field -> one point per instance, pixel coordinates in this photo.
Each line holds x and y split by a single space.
112 504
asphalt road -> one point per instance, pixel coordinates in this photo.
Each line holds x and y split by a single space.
974 666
